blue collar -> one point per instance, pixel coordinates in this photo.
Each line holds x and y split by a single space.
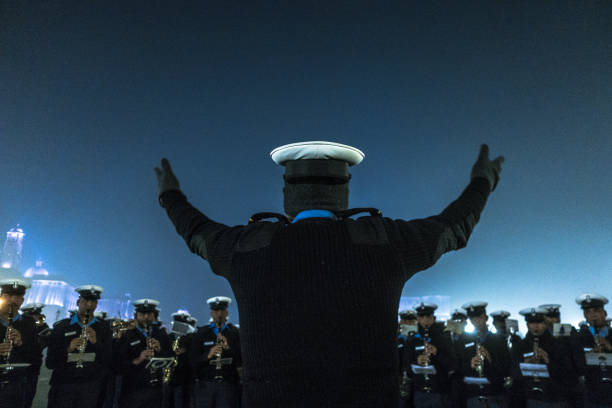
314 214
603 332
75 320
144 332
216 329
17 317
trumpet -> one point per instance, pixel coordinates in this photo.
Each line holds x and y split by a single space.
118 326
84 338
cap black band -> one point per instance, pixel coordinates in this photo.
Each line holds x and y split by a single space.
316 168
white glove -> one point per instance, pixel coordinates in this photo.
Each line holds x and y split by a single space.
166 180
488 169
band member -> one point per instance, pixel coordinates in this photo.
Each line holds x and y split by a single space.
485 361
19 348
431 359
79 353
407 324
455 327
144 352
179 378
596 338
542 364
303 259
34 310
216 359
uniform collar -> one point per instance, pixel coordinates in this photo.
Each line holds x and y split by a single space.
75 320
603 332
302 215
17 317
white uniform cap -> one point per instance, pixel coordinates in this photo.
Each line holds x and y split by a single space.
32 306
219 299
591 300
146 305
460 311
501 314
533 311
317 150
15 283
90 290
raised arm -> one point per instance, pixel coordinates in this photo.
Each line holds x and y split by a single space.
199 232
422 242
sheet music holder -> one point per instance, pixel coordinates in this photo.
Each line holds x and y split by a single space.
14 365
476 380
418 369
454 327
408 329
512 326
562 329
181 328
598 359
84 357
534 370
159 363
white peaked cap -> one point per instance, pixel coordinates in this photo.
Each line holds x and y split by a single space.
317 150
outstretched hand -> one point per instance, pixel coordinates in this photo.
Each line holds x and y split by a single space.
486 168
166 180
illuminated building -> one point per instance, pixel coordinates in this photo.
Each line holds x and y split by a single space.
56 293
11 253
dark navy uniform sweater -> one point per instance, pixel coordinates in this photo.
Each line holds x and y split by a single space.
299 286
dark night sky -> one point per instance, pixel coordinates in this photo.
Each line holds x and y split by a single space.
92 96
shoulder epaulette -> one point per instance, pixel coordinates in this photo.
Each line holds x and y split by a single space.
374 212
266 215
60 322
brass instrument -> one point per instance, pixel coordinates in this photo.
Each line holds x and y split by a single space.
168 371
7 336
536 381
41 320
480 370
84 338
118 326
602 365
218 374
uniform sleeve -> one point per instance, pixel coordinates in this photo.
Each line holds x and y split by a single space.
421 242
57 350
104 346
209 239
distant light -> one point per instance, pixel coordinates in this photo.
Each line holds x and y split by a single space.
469 327
6 265
493 330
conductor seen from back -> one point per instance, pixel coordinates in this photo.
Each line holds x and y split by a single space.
286 276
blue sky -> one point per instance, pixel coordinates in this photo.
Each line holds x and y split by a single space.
93 96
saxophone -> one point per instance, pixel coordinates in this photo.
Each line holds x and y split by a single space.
168 371
84 338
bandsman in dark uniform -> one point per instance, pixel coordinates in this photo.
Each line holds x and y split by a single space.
144 352
455 327
19 348
508 329
485 361
542 364
431 359
80 354
571 342
216 359
34 310
596 342
180 377
407 328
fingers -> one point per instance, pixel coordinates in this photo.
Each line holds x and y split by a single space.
484 152
166 165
